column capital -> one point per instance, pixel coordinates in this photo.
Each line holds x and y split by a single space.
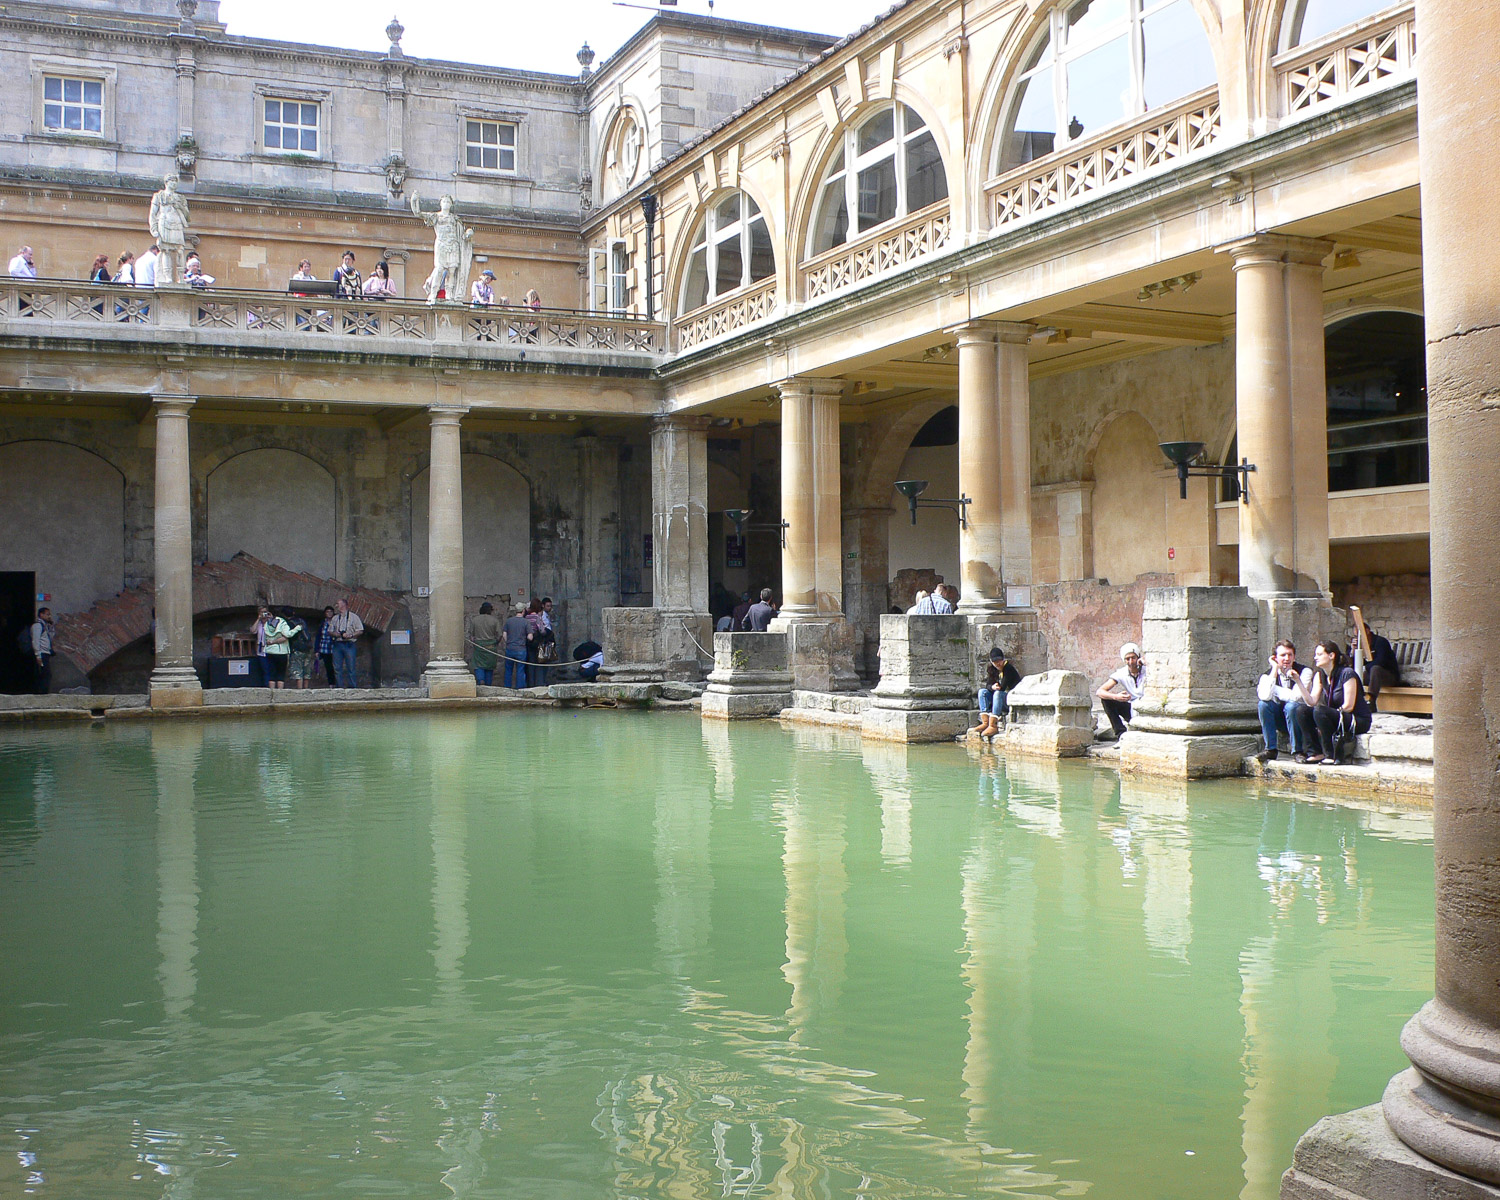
173 406
1013 333
1277 248
804 385
447 414
674 423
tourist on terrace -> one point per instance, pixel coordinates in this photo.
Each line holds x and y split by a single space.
41 650
1000 676
145 267
379 286
760 614
517 637
1280 694
23 266
99 272
1122 689
482 294
278 637
347 628
192 273
325 645
347 277
304 272
299 662
484 633
1382 670
1337 711
944 599
543 644
741 612
125 270
262 619
533 301
923 606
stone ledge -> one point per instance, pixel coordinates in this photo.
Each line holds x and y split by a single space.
1405 780
847 703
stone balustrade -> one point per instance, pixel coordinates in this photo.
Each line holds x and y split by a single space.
890 249
729 314
1311 78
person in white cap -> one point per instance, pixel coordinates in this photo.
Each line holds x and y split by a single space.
483 291
1123 689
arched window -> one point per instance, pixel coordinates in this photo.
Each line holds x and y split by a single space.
1102 62
732 249
1377 401
1309 20
887 167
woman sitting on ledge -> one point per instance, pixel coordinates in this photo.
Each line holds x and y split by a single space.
1337 710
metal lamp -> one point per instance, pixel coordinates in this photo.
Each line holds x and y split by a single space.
1183 454
913 488
741 516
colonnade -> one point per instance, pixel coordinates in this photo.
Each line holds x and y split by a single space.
174 682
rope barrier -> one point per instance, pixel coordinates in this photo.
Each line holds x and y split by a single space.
495 650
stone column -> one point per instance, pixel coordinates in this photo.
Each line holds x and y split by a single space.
994 462
174 683
448 672
820 643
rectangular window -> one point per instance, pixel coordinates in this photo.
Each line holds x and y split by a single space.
490 145
619 277
291 127
72 105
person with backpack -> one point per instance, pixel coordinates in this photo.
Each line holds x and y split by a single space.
299 667
35 645
278 634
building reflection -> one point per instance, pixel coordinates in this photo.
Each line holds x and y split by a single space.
175 751
890 772
1155 842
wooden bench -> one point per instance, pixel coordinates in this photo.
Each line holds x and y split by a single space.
1415 660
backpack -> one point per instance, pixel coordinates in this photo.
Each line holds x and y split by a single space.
299 641
23 642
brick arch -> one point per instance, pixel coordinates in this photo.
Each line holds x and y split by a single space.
90 639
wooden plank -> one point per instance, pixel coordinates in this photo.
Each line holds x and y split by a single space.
1413 701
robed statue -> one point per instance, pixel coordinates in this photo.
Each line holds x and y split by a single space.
452 250
169 226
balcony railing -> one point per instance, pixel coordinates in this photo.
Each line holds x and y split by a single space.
251 316
877 253
735 311
1346 65
1157 140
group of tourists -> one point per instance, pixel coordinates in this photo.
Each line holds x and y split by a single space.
288 648
749 616
526 641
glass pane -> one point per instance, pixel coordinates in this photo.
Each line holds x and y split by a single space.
310 140
507 160
1319 17
93 120
273 137
273 111
1377 401
837 164
1178 58
1092 18
913 119
1033 129
474 157
877 194
728 210
696 294
926 182
730 271
491 134
471 131
878 130
93 92
72 90
506 134
762 260
310 115
751 208
1099 89
52 116
491 158
52 88
72 117
832 228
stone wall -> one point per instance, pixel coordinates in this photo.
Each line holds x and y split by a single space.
1085 622
1396 606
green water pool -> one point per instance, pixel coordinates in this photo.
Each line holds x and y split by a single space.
575 955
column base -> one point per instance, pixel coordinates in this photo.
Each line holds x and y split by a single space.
1357 1156
750 678
448 679
175 687
915 725
1186 756
820 652
655 645
1302 619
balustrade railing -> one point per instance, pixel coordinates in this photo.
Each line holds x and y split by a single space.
1157 140
1313 77
876 253
735 311
65 302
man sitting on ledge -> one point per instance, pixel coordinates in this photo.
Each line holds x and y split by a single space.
1280 698
1122 689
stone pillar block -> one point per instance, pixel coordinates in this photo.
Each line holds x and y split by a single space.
1303 620
820 653
1051 714
1018 634
653 645
1202 651
925 690
750 678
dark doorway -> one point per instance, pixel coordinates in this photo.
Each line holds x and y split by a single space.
17 612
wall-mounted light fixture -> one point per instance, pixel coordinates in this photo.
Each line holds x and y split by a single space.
1182 454
742 515
912 488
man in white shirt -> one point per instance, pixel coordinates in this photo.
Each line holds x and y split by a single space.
145 267
1280 691
944 599
1122 689
23 266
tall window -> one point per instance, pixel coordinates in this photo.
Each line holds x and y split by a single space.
1309 20
291 127
1377 401
619 277
73 105
732 249
1102 62
887 167
490 145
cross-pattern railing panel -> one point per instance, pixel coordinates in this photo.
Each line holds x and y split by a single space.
879 252
1374 56
1155 142
735 311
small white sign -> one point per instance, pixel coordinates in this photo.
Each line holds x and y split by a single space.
239 666
1018 597
424 591
401 637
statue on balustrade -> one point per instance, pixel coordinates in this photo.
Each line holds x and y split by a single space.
452 251
169 226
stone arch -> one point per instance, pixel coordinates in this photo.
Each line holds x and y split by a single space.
497 527
277 505
1130 523
809 187
875 487
677 260
62 515
629 104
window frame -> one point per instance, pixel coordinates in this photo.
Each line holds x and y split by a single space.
500 147
285 94
1289 35
621 270
492 116
854 162
55 66
708 236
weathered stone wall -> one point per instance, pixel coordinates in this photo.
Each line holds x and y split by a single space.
1085 623
1397 606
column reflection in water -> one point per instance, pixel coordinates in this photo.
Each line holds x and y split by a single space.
889 772
684 875
175 750
1157 843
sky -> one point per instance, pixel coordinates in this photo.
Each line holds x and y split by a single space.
536 36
